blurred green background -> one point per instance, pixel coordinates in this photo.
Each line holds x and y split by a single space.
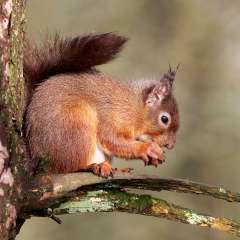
204 37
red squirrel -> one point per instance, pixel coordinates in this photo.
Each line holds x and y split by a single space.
80 117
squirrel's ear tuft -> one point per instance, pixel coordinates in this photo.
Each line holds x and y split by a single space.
169 77
161 90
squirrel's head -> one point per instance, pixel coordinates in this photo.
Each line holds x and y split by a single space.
162 110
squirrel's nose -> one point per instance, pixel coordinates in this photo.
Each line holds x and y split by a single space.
171 142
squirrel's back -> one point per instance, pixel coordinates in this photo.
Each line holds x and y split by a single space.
97 89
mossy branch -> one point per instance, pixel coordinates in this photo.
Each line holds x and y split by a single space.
121 201
84 192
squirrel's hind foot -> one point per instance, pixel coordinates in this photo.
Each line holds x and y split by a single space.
104 169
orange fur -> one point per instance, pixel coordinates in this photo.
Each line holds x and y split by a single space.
78 116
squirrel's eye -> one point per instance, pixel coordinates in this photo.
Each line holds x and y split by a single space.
164 119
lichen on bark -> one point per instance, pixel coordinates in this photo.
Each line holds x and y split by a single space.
117 200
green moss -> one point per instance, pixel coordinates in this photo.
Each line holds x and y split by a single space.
105 201
134 202
43 165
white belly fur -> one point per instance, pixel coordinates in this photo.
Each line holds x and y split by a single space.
98 156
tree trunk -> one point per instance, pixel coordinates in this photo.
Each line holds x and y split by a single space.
11 109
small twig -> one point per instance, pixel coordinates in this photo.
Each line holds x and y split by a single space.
45 212
49 213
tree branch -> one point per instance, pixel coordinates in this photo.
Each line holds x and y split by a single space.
85 192
58 185
121 201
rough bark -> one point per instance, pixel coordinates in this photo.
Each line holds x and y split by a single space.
11 105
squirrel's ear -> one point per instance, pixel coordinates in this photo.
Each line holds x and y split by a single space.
157 94
161 90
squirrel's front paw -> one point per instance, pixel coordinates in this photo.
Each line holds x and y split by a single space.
103 169
152 154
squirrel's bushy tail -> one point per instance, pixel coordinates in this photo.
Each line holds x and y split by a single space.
75 54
